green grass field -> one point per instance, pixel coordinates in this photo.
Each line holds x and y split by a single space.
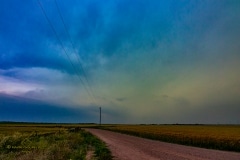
221 137
49 141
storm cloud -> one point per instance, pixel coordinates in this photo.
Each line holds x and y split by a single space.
142 62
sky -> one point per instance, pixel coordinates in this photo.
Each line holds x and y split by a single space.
158 61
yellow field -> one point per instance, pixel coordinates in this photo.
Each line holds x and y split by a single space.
10 128
223 137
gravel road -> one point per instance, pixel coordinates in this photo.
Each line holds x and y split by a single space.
125 147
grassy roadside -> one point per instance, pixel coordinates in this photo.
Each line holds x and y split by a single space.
48 142
220 137
100 149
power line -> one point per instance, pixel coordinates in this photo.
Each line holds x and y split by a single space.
100 116
60 42
74 48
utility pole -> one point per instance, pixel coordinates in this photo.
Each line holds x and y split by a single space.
100 118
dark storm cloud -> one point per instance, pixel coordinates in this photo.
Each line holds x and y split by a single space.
27 39
20 109
108 27
102 28
95 27
158 60
135 24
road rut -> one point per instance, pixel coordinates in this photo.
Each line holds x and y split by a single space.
126 147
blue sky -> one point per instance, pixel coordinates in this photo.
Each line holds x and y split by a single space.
159 61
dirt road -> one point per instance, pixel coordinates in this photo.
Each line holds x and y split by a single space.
125 147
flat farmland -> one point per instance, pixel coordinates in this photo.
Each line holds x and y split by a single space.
10 128
220 137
